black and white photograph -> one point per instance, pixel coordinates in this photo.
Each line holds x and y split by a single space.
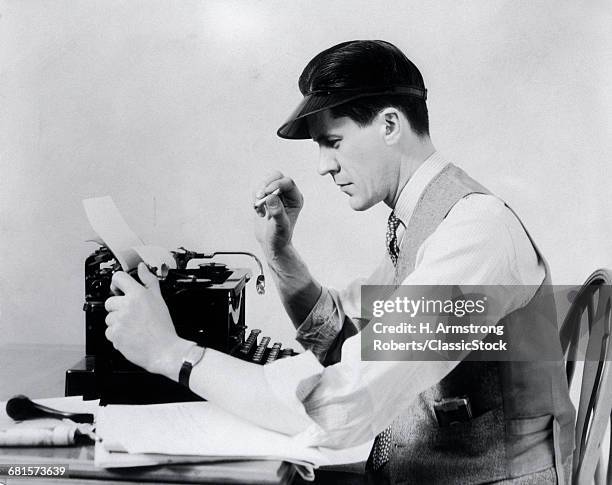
288 242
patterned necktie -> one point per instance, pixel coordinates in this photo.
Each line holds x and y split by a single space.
392 247
382 443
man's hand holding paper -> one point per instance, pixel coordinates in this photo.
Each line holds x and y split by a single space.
139 324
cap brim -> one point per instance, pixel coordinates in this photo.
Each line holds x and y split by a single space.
296 126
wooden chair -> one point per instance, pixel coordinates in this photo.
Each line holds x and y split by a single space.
586 336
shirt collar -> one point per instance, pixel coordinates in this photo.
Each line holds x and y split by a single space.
410 194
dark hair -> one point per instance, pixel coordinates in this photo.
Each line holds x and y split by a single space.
367 64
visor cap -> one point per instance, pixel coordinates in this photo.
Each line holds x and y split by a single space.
350 71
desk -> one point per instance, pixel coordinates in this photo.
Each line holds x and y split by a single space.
38 371
80 462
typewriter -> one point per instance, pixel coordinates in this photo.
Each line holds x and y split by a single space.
207 305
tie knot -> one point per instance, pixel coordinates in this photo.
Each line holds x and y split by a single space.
392 247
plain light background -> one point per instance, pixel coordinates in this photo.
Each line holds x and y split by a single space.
172 107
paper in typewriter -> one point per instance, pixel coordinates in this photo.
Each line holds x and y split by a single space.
128 248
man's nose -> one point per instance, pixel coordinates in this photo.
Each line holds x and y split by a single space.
327 162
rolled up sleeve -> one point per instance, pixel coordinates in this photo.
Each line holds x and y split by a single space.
322 326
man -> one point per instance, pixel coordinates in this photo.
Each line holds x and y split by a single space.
364 105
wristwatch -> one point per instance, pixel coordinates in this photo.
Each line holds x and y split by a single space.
193 356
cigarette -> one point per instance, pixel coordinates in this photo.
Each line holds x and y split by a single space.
262 201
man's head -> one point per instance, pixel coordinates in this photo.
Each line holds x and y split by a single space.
364 104
357 79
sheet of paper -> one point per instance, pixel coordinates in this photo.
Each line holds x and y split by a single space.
200 428
239 470
355 454
201 432
128 248
156 256
105 459
109 224
113 459
195 429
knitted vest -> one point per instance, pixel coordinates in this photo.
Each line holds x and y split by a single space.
522 417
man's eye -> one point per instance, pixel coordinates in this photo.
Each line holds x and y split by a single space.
332 143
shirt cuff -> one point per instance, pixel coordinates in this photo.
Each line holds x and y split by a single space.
321 327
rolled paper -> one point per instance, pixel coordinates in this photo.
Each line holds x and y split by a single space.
60 435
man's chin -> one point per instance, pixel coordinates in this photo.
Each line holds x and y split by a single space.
358 204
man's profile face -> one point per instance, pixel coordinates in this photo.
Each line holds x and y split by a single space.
356 157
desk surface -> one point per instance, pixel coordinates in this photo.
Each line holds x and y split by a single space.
38 371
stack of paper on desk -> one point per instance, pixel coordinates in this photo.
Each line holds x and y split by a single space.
200 431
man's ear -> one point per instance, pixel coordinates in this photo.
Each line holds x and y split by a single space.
392 126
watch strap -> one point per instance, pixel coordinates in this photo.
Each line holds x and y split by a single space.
191 359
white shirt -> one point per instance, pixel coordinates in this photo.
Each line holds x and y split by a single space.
480 242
